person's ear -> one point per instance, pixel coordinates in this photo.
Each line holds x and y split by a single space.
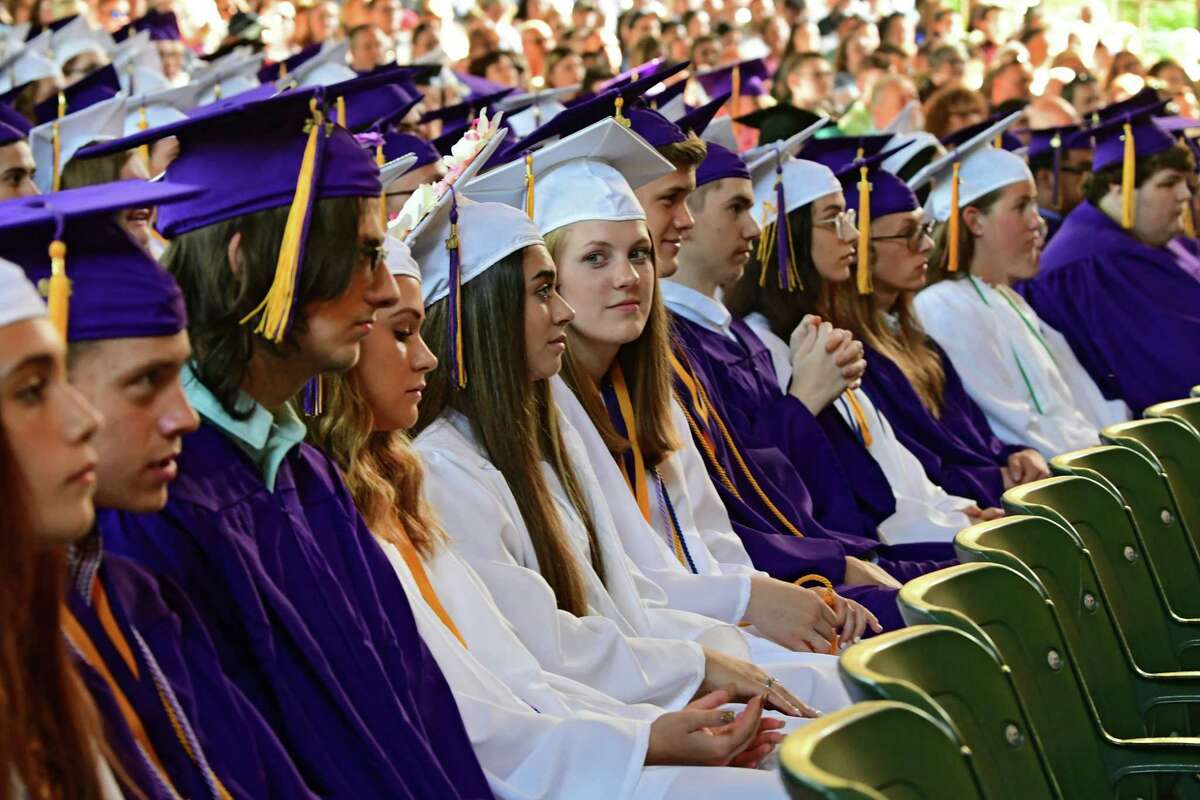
233 253
971 217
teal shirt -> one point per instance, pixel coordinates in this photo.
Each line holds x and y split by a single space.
267 438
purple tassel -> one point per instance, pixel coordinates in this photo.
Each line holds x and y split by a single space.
782 240
457 359
1056 143
314 397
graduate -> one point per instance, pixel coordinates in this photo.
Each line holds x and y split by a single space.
280 264
577 739
17 166
1059 158
1018 369
51 741
1118 281
177 724
909 381
512 483
591 241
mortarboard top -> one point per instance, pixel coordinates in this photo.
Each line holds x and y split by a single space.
872 192
942 164
372 102
1145 100
255 156
477 86
698 120
100 84
154 109
9 134
323 69
778 122
589 175
229 78
520 100
719 163
720 131
1008 141
906 148
163 26
76 37
10 117
392 171
751 77
138 64
399 144
459 115
629 76
30 63
1149 138
56 142
282 69
116 289
837 151
669 101
19 299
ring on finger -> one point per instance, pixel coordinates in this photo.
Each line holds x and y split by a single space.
770 682
727 717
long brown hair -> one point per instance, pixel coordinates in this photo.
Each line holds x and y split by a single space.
50 733
513 418
645 363
939 257
381 470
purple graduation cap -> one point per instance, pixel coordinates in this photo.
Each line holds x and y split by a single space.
9 134
1053 143
1145 100
281 152
629 76
396 145
375 101
873 192
281 69
838 151
744 79
1008 140
477 86
698 119
162 25
720 163
70 245
1123 140
457 117
100 85
663 101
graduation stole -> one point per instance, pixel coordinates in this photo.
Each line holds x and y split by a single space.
109 632
417 567
702 416
1037 404
632 463
859 418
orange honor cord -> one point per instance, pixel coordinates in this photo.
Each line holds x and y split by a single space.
829 596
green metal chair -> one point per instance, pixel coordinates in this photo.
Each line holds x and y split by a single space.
1130 703
1196 391
1178 454
1159 640
1186 411
1143 487
958 680
1000 607
877 751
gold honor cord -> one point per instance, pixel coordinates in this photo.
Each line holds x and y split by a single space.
413 559
860 417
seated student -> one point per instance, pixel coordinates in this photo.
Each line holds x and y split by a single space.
17 166
511 482
753 386
1118 281
147 667
909 380
259 531
1019 370
52 744
1059 159
577 739
598 164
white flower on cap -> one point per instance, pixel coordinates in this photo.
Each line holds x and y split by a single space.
19 299
96 123
803 181
589 175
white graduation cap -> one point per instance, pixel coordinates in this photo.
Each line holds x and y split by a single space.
720 131
802 181
399 258
145 81
907 146
528 120
557 96
31 63
395 169
905 121
978 167
435 56
324 69
135 56
674 108
76 37
155 109
232 76
589 175
19 299
55 142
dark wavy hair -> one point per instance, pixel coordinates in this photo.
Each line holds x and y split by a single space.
218 297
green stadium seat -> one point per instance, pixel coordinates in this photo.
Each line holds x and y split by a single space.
1177 452
1186 411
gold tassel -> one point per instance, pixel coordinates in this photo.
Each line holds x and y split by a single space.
341 111
277 305
143 124
56 143
998 142
59 291
618 105
283 73
952 248
379 162
1128 178
62 105
737 91
864 232
1189 222
529 185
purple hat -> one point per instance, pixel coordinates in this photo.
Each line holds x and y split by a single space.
1008 140
13 119
374 101
751 81
271 153
1145 100
281 69
889 194
9 134
457 117
627 77
163 27
838 151
696 120
478 86
396 145
1050 141
1149 138
99 85
116 289
658 100
720 163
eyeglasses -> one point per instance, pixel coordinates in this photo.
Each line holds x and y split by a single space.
912 238
844 224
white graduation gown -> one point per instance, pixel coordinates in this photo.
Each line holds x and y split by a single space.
533 742
1021 372
723 566
925 512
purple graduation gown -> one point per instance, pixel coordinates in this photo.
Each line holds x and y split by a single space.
309 620
958 450
1129 312
178 674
